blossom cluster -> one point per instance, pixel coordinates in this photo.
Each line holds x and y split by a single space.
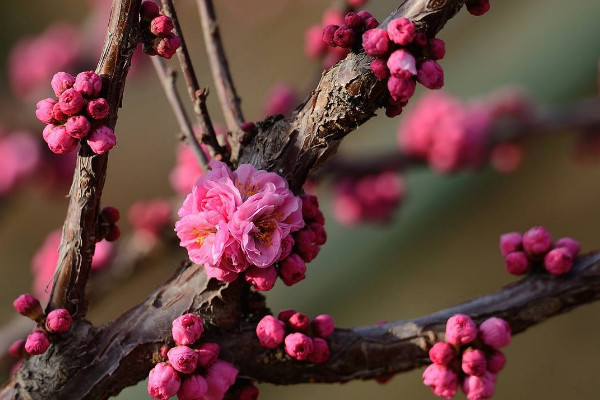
77 113
190 370
157 31
45 260
396 50
248 222
38 341
371 198
524 252
469 357
452 136
303 339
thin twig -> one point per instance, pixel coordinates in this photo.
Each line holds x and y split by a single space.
167 80
230 101
197 95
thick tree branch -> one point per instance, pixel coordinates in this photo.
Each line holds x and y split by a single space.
79 230
167 80
197 95
230 101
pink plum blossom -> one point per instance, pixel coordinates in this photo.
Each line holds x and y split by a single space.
187 329
442 380
163 381
270 332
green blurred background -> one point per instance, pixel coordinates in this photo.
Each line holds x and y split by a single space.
442 247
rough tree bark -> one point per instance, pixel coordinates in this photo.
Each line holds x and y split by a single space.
97 362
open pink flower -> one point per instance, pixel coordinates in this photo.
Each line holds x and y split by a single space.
204 235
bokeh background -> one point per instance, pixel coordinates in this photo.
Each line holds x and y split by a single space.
442 247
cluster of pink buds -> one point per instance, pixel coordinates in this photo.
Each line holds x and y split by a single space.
469 357
107 224
534 248
78 113
371 198
190 370
478 7
38 341
158 37
453 136
248 222
303 339
403 56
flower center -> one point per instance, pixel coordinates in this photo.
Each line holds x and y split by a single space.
201 234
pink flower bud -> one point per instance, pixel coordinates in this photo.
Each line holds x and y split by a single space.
187 329
376 42
371 23
164 352
420 39
149 10
323 325
113 233
219 377
517 263
102 139
78 126
298 322
58 115
183 359
477 8
314 46
344 37
401 31
379 68
436 48
208 353
62 81
298 346
292 270
479 387
392 111
248 392
58 320
365 15
305 244
442 353
37 343
571 244
320 352
167 46
460 329
161 25
163 381
270 332
193 388
442 380
430 75
17 349
496 362
98 108
59 141
558 261
88 83
473 362
28 306
495 332
310 206
353 20
319 231
287 244
329 34
402 64
71 102
111 214
261 278
401 89
44 109
510 242
285 315
537 240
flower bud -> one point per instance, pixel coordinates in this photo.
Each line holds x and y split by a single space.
402 64
167 46
344 37
88 83
401 31
149 10
479 387
78 126
473 362
270 332
496 362
305 245
298 346
320 352
442 380
495 332
401 89
28 306
261 278
537 241
62 81
571 244
58 114
298 322
285 315
436 48
161 25
219 377
71 102
478 7
98 108
17 349
517 263
193 388
44 109
183 359
510 242
59 141
187 329
329 34
460 329
208 353
379 68
442 353
430 75
163 381
292 270
353 20
287 244
558 261
58 320
37 343
102 139
371 23
323 325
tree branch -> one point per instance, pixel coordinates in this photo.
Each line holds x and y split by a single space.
230 101
197 95
79 230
